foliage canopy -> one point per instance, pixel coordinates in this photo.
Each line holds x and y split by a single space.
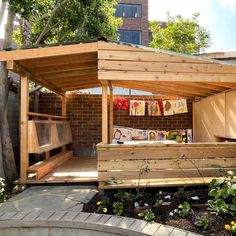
180 35
51 21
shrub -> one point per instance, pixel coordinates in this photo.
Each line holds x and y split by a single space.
223 192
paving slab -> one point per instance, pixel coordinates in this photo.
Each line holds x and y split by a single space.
51 198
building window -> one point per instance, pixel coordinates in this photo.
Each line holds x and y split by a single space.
128 10
130 36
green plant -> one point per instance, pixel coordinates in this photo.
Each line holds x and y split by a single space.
102 206
184 209
231 227
158 202
217 206
124 196
223 192
2 190
147 215
202 222
118 208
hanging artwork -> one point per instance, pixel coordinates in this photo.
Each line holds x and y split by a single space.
137 108
139 134
152 135
121 103
161 135
180 106
122 134
168 107
175 135
189 136
154 108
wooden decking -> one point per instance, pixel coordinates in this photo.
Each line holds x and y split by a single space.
75 170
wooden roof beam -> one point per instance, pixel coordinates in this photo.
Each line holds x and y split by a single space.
164 76
39 80
151 89
23 54
172 88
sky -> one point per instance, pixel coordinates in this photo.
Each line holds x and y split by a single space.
218 16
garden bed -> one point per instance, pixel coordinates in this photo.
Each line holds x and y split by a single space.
164 204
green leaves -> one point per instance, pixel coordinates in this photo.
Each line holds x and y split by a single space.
180 35
63 21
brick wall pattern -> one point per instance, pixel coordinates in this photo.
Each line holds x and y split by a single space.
84 112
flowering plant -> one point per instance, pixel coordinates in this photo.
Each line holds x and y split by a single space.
231 227
121 103
102 206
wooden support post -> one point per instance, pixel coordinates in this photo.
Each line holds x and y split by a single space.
111 112
63 113
24 107
104 115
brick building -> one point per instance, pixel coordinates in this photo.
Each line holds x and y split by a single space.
135 27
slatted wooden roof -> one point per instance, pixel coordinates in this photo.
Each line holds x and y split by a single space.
88 65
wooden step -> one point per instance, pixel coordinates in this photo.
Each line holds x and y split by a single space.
42 168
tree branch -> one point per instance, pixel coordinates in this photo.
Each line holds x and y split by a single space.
46 28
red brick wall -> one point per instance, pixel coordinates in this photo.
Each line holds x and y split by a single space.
138 23
84 112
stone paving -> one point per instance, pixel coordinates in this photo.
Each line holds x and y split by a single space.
51 198
61 206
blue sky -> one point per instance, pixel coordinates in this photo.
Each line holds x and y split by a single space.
218 16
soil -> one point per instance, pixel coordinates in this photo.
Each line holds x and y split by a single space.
177 196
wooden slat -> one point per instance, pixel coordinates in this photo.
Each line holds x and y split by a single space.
147 152
24 107
157 182
43 168
164 76
45 115
170 86
151 90
157 174
164 164
35 53
165 67
64 68
44 62
74 73
146 56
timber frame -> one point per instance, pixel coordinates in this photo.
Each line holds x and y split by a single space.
99 63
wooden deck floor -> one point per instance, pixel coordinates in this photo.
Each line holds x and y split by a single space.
72 171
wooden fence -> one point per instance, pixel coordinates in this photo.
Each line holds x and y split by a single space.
162 164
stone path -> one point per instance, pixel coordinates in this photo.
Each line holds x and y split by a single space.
51 198
59 207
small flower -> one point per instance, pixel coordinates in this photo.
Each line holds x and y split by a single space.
227 227
234 225
232 222
195 198
167 197
171 213
104 210
175 210
99 203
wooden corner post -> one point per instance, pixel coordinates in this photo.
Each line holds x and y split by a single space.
111 112
104 115
24 107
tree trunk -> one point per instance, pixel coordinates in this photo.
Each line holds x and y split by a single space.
7 153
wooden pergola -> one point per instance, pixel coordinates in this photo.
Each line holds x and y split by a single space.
104 64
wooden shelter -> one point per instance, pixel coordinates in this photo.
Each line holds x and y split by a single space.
104 64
